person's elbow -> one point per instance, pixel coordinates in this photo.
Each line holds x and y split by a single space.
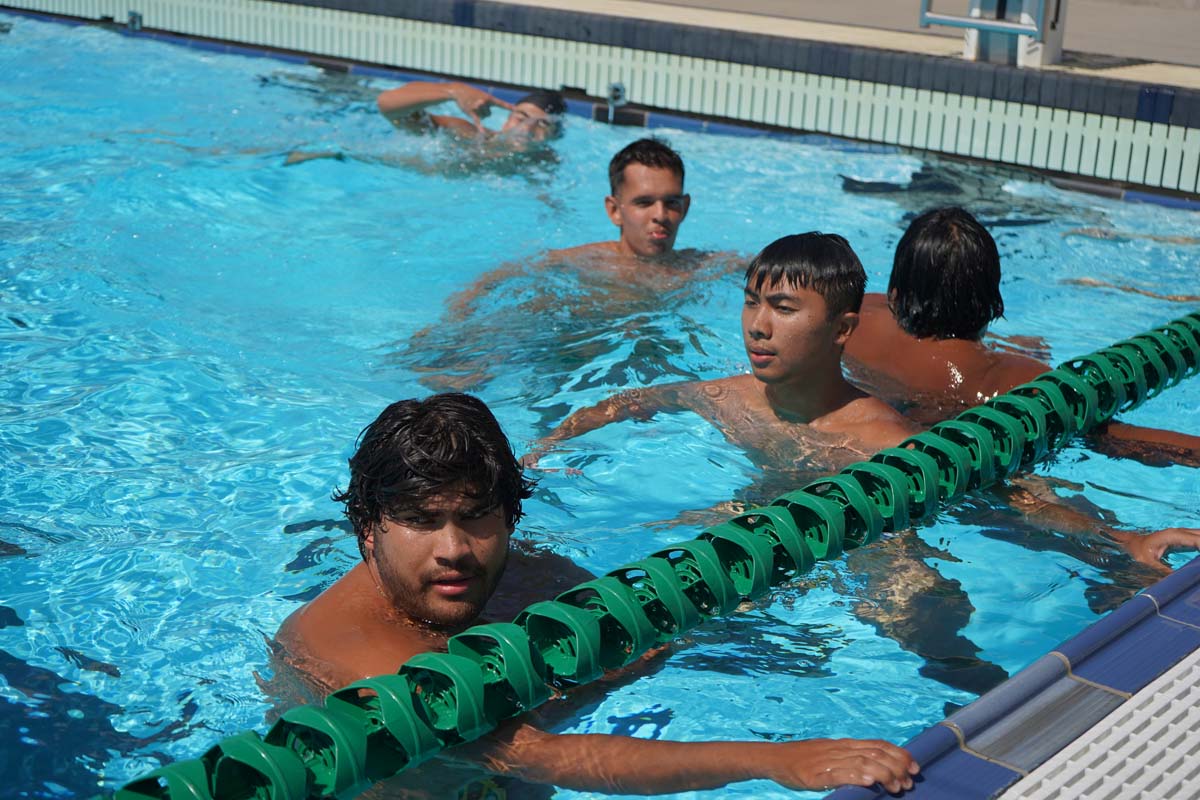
394 101
386 104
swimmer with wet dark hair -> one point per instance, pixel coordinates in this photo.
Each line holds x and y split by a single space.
535 117
798 418
533 120
802 303
434 495
621 294
802 296
921 347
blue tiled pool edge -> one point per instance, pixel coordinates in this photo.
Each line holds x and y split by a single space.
1113 657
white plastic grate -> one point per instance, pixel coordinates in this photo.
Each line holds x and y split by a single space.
1149 747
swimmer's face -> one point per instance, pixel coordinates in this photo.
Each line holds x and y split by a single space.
440 561
789 335
649 207
528 121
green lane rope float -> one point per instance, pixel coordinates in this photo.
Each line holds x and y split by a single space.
375 728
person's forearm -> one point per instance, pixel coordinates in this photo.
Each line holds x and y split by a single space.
577 424
414 96
625 765
619 764
462 301
1038 504
627 405
1152 446
585 420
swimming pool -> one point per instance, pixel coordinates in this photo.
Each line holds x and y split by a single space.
196 334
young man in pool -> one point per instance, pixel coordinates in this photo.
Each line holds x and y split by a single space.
802 299
647 204
799 418
921 346
630 285
802 296
434 496
536 117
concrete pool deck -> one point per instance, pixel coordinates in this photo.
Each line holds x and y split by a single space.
1149 42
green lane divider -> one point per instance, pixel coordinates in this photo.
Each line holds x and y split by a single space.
376 728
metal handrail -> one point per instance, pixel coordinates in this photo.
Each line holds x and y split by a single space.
992 25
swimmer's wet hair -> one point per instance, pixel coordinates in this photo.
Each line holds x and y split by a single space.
553 104
649 153
823 262
946 277
417 448
547 100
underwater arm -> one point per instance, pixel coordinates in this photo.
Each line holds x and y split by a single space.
461 301
1151 446
1038 503
626 765
1033 347
640 404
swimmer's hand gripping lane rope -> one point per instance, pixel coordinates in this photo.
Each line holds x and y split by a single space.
375 728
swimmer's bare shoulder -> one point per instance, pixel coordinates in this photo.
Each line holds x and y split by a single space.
582 252
732 402
876 337
1002 371
317 640
872 422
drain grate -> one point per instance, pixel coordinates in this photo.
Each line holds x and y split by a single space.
1146 748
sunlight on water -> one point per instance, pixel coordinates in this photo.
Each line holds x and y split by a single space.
194 335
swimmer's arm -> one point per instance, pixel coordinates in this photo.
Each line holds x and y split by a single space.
300 156
414 96
461 301
889 431
641 404
398 104
1031 347
625 765
1104 233
1151 446
1038 503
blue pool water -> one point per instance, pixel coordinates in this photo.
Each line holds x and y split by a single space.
193 335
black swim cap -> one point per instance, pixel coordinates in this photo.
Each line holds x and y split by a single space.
549 101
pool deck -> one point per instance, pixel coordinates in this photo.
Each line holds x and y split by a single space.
1147 44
